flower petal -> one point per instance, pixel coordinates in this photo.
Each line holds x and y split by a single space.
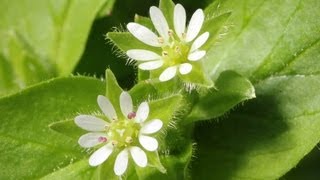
159 22
195 25
100 155
90 123
144 34
126 103
185 68
106 107
143 112
139 156
121 164
197 55
199 41
142 55
91 139
151 65
151 126
179 19
168 73
149 143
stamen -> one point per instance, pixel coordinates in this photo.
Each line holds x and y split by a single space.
183 35
129 140
102 139
114 143
177 49
170 32
164 53
160 40
131 115
106 128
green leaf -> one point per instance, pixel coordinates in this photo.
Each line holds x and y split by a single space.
230 89
279 52
42 39
307 168
30 148
106 8
265 138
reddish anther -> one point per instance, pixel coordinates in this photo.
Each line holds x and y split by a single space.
131 115
102 139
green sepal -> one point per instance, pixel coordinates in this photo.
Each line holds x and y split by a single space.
197 77
113 91
167 8
145 21
214 26
126 41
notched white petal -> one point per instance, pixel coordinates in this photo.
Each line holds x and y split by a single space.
199 41
144 34
139 156
149 143
142 55
168 73
151 126
101 155
106 107
151 65
121 162
91 139
185 68
159 22
142 112
179 19
197 55
195 25
90 123
126 103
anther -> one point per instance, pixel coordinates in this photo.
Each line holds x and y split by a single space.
106 127
170 32
183 35
131 115
160 40
114 143
164 53
177 49
102 139
129 140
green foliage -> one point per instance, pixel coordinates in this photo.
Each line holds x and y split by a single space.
214 102
31 148
42 39
258 121
279 52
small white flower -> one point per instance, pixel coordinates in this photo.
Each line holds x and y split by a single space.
178 53
125 132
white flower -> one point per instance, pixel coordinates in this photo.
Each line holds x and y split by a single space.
178 53
125 132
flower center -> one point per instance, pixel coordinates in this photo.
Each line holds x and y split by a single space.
124 132
176 51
